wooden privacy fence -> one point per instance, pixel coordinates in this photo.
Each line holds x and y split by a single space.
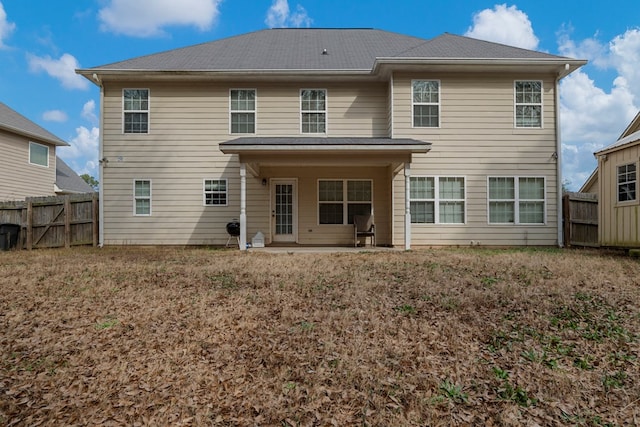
580 217
53 222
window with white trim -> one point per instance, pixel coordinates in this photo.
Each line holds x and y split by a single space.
243 110
215 192
313 110
142 197
38 154
339 200
528 104
136 110
425 103
437 200
627 179
517 200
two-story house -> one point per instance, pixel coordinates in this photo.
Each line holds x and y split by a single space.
448 141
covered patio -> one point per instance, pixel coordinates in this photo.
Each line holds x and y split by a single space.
293 166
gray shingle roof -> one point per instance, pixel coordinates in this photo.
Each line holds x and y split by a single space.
12 121
302 49
68 180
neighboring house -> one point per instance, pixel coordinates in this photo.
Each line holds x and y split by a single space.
68 182
448 141
616 183
28 155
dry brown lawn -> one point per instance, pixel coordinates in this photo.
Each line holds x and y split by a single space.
138 336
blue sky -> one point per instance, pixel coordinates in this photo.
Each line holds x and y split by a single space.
40 50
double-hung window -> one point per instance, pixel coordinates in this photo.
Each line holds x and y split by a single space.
38 154
627 179
215 192
340 200
313 110
528 104
136 110
426 103
437 200
517 200
142 197
243 110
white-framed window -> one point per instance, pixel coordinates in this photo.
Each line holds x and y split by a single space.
136 110
313 110
215 192
437 200
242 110
528 103
517 200
142 197
627 178
340 199
38 154
425 103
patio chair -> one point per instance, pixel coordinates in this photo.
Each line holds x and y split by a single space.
363 226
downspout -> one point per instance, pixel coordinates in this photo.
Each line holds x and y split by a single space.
102 162
559 163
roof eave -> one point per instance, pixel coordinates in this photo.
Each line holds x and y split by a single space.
97 75
561 66
35 137
239 149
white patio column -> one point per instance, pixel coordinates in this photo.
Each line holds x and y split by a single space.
243 207
407 206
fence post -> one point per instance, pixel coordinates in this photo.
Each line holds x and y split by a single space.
95 218
29 225
67 221
566 215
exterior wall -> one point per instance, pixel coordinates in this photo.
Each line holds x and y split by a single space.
187 122
619 222
18 177
476 139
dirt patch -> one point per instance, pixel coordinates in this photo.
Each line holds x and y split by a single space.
130 336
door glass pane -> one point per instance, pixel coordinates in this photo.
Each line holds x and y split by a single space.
284 209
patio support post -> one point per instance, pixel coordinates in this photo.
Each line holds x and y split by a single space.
243 206
407 206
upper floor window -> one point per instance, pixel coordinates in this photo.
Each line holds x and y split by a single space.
243 110
528 96
38 154
313 110
627 182
437 200
215 192
426 103
339 200
136 110
516 200
142 197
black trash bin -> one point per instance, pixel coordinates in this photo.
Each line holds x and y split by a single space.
9 234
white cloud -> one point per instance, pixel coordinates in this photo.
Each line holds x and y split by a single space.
147 18
82 152
89 112
62 69
6 27
55 116
592 118
503 24
279 16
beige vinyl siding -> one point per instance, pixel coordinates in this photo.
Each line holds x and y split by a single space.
618 223
187 121
477 138
18 177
